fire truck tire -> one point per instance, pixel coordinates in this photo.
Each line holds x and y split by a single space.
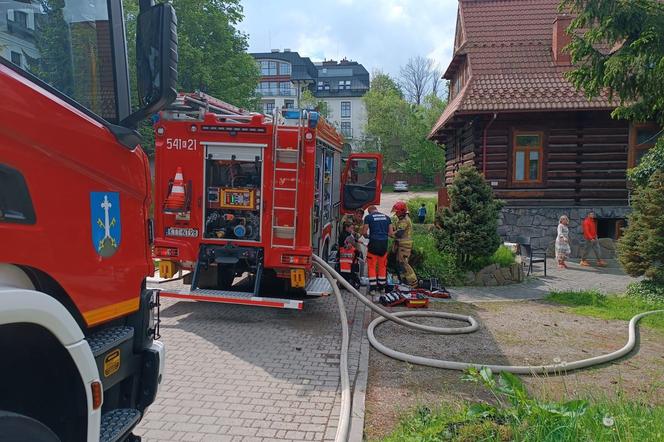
16 427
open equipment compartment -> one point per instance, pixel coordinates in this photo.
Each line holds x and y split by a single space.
233 183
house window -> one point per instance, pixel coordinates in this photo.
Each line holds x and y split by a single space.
344 84
320 85
21 18
268 68
289 104
286 88
16 58
346 130
641 138
268 107
345 109
284 69
527 161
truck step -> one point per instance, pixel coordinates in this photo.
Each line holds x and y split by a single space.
318 287
231 297
116 424
106 339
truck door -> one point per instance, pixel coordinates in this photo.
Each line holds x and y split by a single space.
361 181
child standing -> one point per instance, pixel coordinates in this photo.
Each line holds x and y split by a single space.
422 213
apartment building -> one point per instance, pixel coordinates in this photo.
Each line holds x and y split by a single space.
341 84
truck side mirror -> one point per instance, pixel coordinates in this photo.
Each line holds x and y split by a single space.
156 61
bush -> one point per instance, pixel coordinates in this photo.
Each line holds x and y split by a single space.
469 227
428 261
414 205
504 256
641 248
648 291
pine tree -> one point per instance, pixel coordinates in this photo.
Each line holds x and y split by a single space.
469 226
641 249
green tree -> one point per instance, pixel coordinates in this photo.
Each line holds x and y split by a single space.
469 226
212 53
641 248
399 129
632 71
308 101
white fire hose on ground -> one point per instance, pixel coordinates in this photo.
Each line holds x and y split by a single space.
344 420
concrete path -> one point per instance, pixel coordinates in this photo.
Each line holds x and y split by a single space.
608 280
237 373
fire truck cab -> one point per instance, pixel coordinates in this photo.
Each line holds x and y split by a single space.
244 199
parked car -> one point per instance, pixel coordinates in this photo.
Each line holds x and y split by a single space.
401 186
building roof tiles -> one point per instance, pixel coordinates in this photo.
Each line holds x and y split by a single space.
508 45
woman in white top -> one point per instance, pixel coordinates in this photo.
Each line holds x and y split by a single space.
562 242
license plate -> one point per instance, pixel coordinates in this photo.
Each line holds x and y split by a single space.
166 269
297 278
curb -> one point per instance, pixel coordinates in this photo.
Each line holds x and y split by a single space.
356 431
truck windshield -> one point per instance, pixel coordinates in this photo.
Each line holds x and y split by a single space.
65 43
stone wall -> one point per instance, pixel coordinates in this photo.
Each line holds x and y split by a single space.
540 224
494 275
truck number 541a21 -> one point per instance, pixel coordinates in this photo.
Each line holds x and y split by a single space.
181 144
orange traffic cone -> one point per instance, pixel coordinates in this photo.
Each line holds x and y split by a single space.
176 200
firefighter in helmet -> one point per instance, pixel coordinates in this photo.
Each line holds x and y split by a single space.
403 243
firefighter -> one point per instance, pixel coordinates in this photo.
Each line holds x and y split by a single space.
378 227
403 243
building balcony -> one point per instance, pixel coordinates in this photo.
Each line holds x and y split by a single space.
276 93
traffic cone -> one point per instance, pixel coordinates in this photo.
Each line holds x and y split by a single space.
176 200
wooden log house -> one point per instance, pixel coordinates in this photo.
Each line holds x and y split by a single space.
544 147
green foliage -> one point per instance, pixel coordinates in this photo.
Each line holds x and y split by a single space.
622 49
503 256
399 129
212 55
651 162
645 290
429 262
469 226
514 415
595 304
414 205
308 101
641 248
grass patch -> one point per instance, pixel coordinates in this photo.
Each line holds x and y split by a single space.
515 416
595 304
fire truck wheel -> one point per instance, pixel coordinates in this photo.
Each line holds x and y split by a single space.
19 428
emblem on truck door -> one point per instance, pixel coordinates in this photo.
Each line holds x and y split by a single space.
106 229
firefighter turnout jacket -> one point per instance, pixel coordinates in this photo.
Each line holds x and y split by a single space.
404 246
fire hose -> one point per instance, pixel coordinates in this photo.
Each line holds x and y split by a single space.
335 278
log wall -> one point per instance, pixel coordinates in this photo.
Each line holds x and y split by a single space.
584 157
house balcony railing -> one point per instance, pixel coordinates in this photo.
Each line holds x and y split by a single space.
275 93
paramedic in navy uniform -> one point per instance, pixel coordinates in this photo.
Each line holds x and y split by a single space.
377 227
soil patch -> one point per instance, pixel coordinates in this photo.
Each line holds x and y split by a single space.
518 333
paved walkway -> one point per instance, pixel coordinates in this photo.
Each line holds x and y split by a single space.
609 280
236 373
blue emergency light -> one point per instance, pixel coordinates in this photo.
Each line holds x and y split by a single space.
313 119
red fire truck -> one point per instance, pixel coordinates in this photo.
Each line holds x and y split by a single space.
78 327
244 199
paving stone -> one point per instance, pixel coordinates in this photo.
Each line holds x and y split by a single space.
245 373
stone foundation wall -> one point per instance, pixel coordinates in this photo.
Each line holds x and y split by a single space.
540 224
494 275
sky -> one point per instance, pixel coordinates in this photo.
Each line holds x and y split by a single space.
380 34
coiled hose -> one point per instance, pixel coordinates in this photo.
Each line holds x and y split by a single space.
335 278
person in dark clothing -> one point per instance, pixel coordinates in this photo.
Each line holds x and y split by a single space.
378 227
422 213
